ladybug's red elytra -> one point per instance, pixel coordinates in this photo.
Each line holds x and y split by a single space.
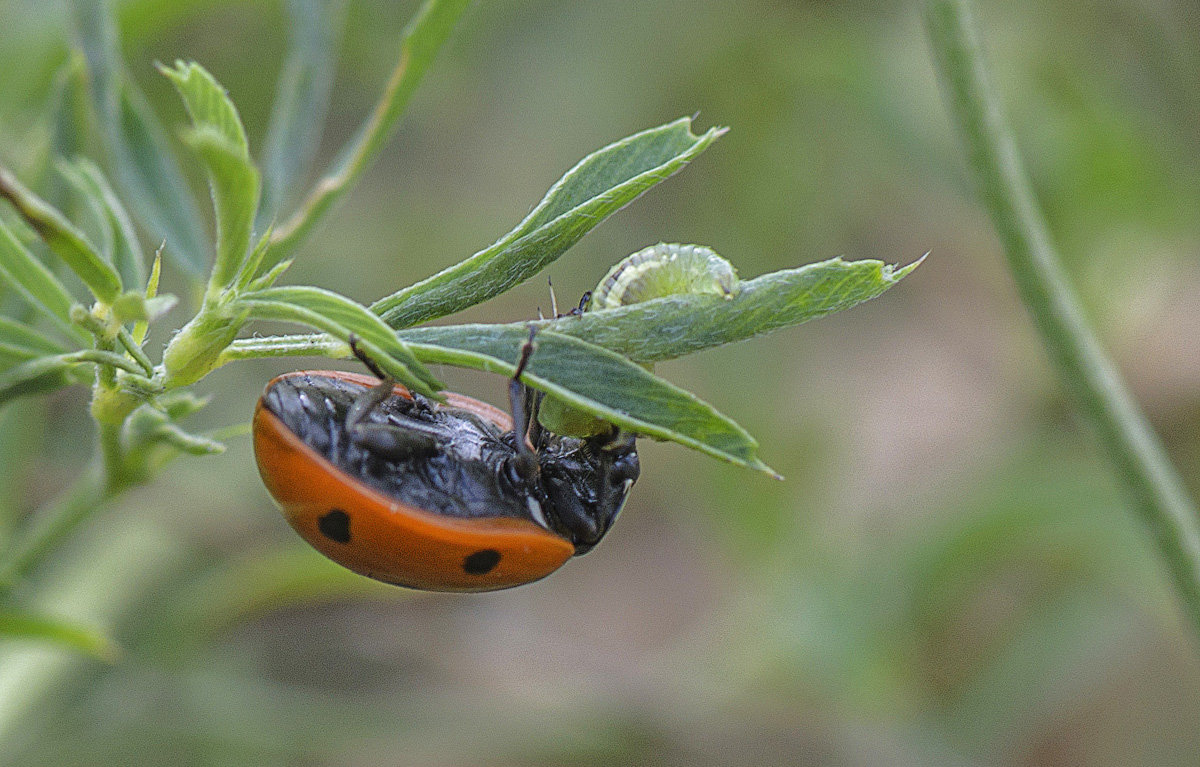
442 497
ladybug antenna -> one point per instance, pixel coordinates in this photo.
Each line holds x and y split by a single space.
526 459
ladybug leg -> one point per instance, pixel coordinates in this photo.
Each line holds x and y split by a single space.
403 437
524 463
583 302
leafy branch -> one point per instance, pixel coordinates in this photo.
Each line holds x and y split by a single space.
596 364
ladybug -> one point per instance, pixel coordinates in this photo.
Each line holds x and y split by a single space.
435 496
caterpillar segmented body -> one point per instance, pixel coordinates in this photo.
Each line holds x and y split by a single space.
665 270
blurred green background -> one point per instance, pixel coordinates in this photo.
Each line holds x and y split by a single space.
948 575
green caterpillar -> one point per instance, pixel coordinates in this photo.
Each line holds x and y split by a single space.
665 270
654 272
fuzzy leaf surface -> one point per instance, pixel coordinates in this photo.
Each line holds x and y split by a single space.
598 186
669 327
342 318
67 242
219 139
601 383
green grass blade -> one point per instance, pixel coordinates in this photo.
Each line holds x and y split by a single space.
669 327
38 376
301 100
598 186
126 251
19 624
17 339
67 242
1156 491
601 383
68 122
420 42
35 283
145 168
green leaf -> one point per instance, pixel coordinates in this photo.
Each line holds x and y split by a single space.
301 99
669 327
269 277
601 383
419 43
134 307
68 121
142 327
599 185
88 212
234 182
250 266
146 170
67 242
18 340
38 376
220 140
341 317
207 103
20 624
36 284
149 427
126 254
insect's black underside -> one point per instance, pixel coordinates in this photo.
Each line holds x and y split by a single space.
465 469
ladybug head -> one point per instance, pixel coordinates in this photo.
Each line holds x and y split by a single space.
586 482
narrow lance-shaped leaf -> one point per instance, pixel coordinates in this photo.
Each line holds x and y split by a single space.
301 99
663 328
127 255
18 340
141 328
146 170
39 376
88 213
601 383
207 103
669 327
68 120
67 242
340 316
20 624
35 283
220 140
419 43
599 185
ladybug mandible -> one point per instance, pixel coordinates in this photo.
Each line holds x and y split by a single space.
441 497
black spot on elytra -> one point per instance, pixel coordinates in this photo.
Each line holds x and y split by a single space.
481 562
335 526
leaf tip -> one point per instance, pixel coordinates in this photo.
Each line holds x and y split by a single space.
897 273
758 465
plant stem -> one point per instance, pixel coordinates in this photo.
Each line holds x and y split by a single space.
304 345
1157 494
423 36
